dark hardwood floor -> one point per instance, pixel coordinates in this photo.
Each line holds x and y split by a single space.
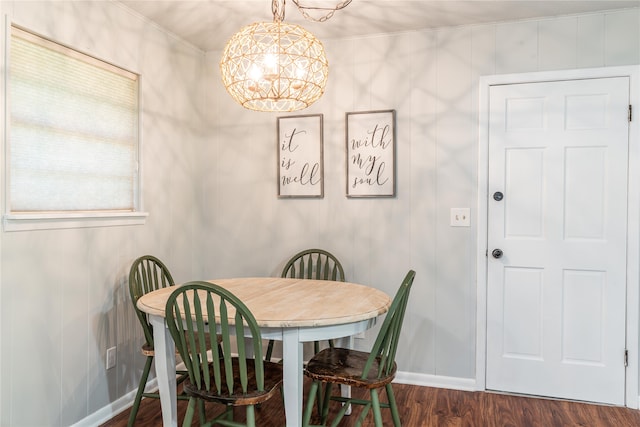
425 406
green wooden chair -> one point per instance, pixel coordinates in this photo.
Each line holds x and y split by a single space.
354 368
147 274
217 375
315 264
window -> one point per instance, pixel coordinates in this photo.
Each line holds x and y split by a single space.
72 146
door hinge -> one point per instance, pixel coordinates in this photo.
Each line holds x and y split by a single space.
626 357
630 112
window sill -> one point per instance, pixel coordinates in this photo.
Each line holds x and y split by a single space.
53 221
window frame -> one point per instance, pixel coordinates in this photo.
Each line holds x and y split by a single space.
42 220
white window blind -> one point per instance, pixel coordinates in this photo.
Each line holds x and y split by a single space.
73 130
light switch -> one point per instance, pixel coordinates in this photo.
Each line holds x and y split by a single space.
460 217
111 357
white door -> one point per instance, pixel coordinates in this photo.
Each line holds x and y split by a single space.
557 210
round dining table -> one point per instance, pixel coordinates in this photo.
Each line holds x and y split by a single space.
293 311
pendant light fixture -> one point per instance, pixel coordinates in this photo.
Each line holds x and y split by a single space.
275 66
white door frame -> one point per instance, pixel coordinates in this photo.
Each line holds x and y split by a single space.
633 213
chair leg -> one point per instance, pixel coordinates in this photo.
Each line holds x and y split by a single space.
267 355
325 404
363 415
306 417
251 416
201 412
341 413
228 413
319 399
393 406
188 416
375 403
141 386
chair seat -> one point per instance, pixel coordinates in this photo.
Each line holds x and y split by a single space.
148 350
345 366
235 397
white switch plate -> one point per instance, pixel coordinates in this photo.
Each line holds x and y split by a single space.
111 357
460 217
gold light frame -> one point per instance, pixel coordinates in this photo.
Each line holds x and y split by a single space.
274 66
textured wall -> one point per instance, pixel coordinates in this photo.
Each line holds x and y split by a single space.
431 79
209 176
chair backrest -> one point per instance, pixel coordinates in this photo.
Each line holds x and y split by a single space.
384 349
198 308
314 264
147 274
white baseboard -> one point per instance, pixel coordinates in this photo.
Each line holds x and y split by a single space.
106 413
439 381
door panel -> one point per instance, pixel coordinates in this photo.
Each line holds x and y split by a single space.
558 151
585 174
523 313
524 216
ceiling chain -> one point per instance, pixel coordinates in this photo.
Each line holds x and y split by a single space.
303 9
277 8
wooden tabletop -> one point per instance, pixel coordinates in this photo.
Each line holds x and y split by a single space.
284 302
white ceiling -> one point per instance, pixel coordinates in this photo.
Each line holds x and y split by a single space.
208 24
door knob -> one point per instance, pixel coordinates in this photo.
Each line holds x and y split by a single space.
497 196
497 253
